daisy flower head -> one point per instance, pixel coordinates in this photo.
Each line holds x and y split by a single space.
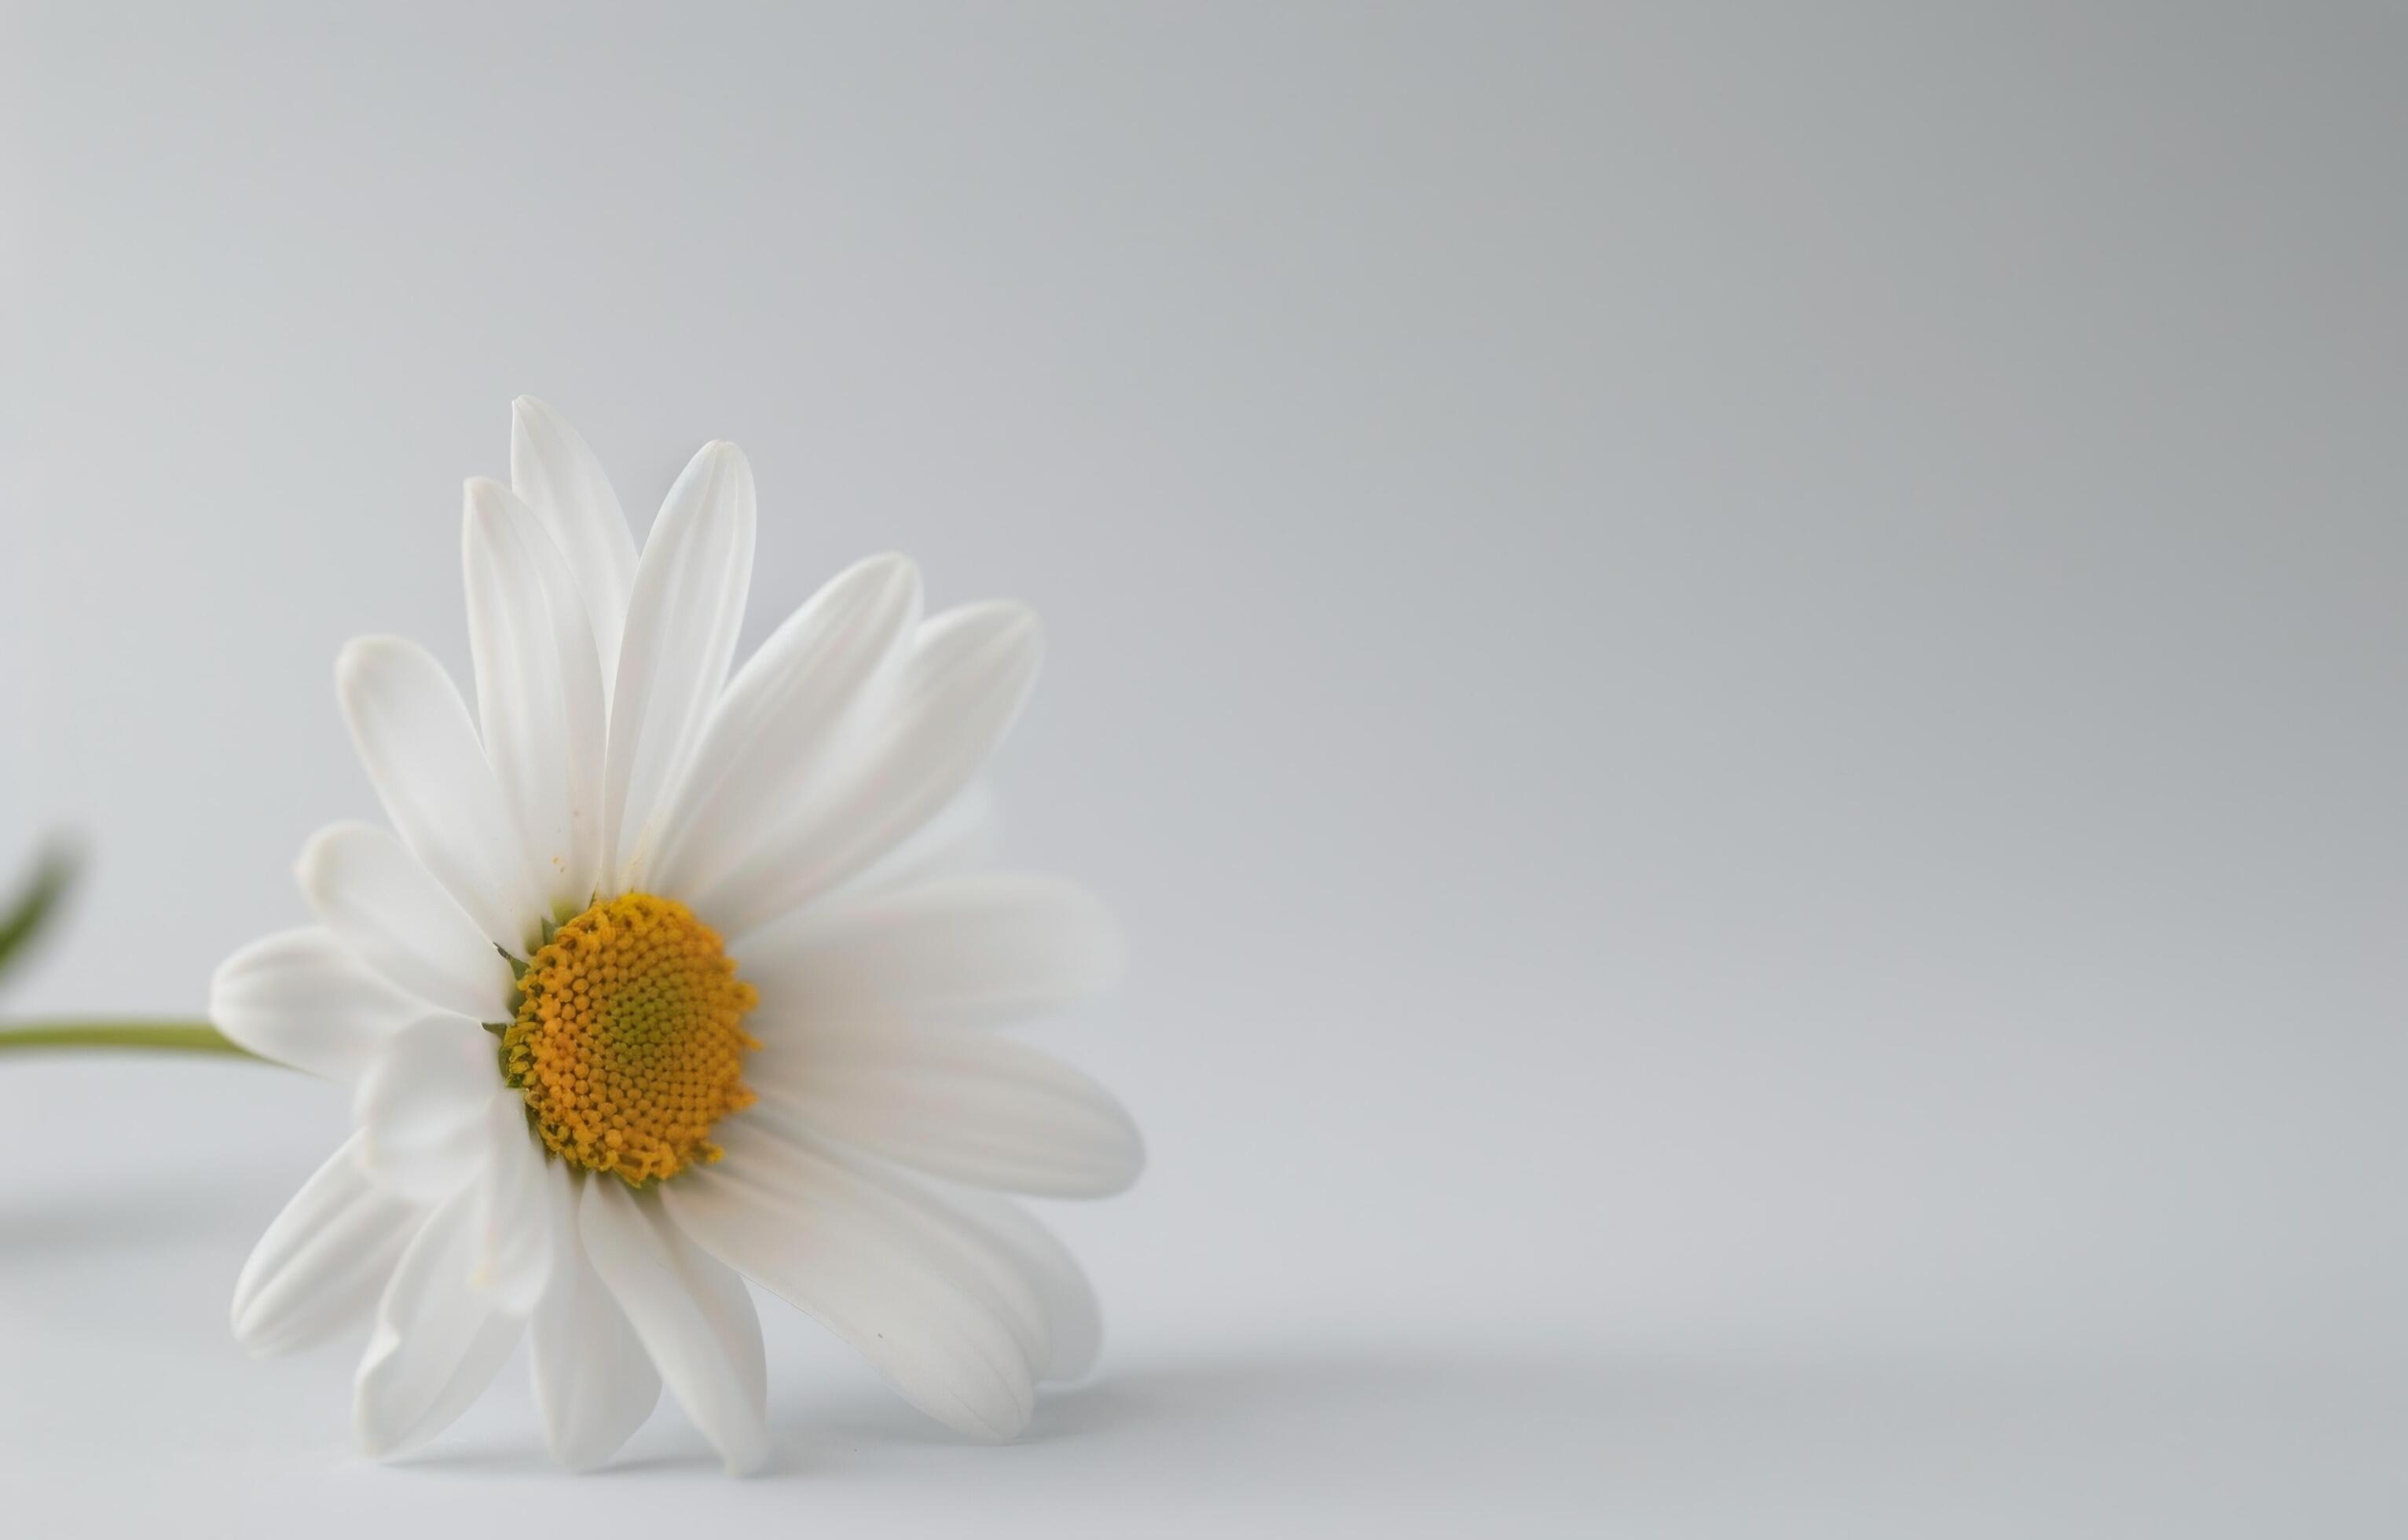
662 980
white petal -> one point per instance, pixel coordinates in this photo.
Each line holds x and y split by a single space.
387 911
593 1381
692 1313
681 623
967 674
301 998
438 1340
426 1106
964 836
780 718
539 691
1074 1317
975 950
967 1106
413 734
516 1247
965 1251
557 476
323 1261
946 1326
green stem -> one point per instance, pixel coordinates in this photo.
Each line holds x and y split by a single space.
186 1037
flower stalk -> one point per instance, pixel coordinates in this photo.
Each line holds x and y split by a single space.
161 1035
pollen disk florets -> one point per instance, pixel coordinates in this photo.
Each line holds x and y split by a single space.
629 1042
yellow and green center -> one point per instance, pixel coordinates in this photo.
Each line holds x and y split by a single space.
629 1042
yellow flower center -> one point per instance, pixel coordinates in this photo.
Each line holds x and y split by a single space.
629 1042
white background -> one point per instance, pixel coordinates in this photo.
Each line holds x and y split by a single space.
1741 677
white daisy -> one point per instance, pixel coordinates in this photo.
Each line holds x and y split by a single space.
583 1114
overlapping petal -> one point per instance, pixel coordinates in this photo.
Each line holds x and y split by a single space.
438 1340
964 836
954 697
691 1313
1074 1317
557 475
301 998
427 1110
539 691
967 1106
923 1298
972 950
682 618
516 1249
594 1382
777 723
413 733
324 1259
384 909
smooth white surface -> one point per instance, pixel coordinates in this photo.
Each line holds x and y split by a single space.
1279 1412
1738 677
